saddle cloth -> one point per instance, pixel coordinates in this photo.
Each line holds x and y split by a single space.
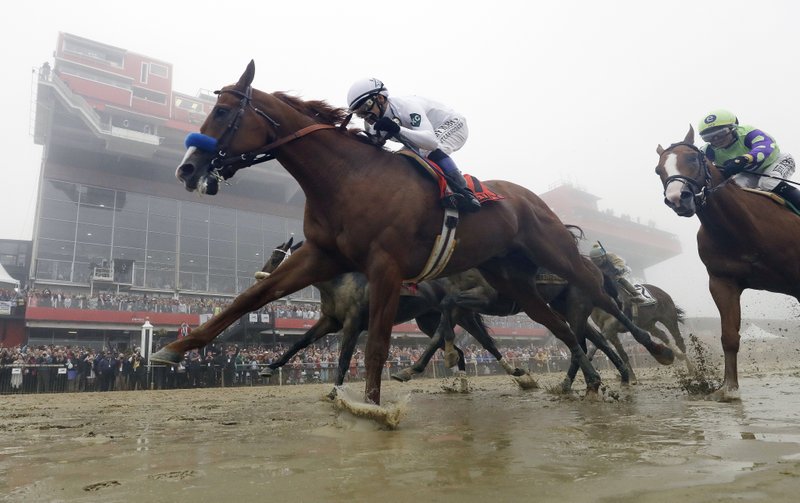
650 300
482 193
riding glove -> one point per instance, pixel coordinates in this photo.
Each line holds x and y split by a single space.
386 125
736 165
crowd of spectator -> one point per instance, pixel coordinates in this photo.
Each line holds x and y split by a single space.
54 368
200 305
159 304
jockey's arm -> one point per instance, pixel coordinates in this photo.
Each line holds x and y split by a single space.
760 144
422 136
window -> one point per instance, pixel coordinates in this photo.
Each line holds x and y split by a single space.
94 75
148 95
144 73
159 70
94 51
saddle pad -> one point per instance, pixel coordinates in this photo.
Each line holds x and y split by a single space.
433 170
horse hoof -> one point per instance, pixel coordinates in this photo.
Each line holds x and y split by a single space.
332 395
566 386
518 372
265 372
451 359
663 354
404 375
166 356
526 381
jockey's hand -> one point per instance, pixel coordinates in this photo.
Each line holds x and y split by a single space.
387 125
736 165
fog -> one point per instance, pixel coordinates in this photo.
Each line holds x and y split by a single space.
572 91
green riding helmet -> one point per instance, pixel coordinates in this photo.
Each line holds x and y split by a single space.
716 121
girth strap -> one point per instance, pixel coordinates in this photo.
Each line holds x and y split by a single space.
442 250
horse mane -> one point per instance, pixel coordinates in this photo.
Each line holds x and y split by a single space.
322 112
318 110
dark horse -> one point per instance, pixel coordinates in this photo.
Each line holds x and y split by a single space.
368 210
345 305
647 316
472 294
746 240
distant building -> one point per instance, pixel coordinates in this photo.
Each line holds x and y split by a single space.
641 245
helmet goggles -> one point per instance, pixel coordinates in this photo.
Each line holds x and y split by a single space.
716 134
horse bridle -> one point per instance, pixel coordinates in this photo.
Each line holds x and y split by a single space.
699 190
224 165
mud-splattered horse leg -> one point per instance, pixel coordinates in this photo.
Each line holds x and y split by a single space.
305 267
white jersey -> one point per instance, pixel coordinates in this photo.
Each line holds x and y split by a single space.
427 124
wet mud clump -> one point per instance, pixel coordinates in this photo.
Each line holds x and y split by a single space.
706 377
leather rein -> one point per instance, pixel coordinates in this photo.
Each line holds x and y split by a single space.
224 165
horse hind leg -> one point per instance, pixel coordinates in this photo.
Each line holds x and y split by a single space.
582 277
680 353
513 284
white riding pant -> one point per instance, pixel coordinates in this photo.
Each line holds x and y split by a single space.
783 167
452 135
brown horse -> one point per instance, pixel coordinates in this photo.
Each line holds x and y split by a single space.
647 316
746 240
368 210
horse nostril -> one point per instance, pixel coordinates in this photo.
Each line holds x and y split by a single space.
185 171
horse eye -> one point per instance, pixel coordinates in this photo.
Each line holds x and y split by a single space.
220 113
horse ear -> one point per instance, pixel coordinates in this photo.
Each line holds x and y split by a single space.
689 136
247 77
289 243
298 245
659 149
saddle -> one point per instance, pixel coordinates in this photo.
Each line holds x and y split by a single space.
446 194
775 197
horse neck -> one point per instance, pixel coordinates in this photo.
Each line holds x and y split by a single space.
727 214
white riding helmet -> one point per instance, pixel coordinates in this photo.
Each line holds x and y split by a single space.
362 90
597 253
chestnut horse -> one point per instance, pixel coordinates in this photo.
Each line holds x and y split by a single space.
746 240
368 210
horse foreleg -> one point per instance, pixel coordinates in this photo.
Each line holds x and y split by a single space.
429 324
324 326
610 334
350 332
384 295
307 266
602 344
727 296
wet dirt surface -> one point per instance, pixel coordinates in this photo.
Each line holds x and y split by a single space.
652 443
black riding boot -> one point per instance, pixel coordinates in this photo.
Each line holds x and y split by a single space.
456 180
788 192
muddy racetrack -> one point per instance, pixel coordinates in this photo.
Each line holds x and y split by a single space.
498 443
